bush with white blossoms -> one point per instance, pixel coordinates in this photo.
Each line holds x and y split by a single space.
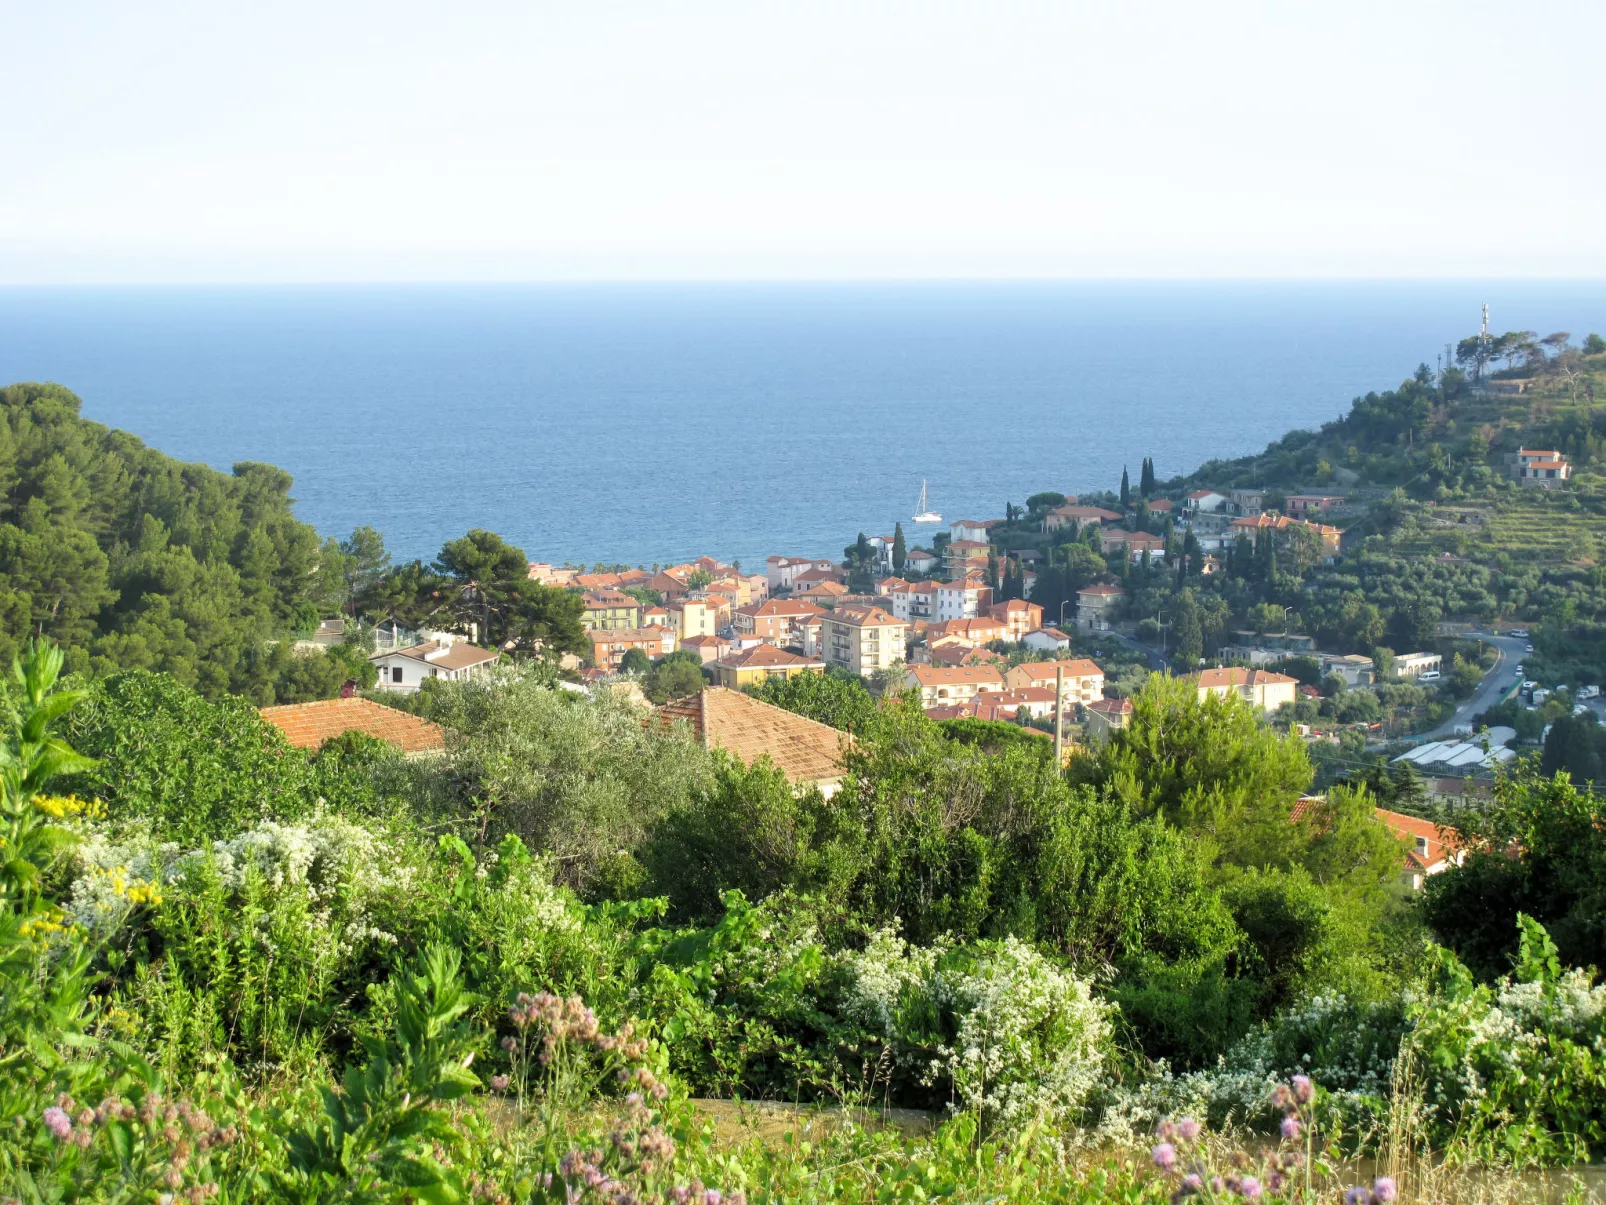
1517 1068
1010 1035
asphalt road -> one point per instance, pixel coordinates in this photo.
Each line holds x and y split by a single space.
1494 685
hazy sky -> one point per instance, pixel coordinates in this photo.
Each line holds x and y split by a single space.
594 138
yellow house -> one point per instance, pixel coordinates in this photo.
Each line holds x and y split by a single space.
760 664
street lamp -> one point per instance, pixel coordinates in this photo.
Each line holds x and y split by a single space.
1063 601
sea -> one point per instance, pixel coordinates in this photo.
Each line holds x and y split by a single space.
651 423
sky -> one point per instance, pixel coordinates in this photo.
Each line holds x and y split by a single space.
605 139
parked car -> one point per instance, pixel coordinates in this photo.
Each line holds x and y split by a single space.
1520 633
1431 675
1527 648
1589 692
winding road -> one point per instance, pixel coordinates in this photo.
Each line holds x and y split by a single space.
1494 686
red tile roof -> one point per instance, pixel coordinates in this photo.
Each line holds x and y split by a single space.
309 725
804 750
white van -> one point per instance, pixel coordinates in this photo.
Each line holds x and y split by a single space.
1431 675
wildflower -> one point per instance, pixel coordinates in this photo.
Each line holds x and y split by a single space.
58 1123
1292 1128
510 1044
1384 1190
1249 1188
1165 1131
499 1083
1357 1196
1165 1156
1304 1090
1282 1097
1189 1129
1191 1183
711 1197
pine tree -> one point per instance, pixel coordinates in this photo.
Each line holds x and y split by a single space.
1126 489
900 551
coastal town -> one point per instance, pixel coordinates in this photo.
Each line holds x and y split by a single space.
967 619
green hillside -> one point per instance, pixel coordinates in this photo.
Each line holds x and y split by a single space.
130 559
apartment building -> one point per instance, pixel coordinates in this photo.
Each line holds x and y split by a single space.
861 639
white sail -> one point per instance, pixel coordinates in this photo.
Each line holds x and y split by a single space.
924 515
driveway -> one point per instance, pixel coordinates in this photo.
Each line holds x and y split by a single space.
1496 683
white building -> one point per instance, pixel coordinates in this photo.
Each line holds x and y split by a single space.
1414 665
409 668
962 599
1047 640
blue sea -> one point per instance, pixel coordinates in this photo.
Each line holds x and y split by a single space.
650 423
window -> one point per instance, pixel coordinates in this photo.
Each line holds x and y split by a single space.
396 674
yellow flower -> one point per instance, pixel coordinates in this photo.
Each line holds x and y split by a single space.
61 806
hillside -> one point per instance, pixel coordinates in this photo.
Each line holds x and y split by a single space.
131 559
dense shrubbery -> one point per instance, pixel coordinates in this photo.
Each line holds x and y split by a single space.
956 930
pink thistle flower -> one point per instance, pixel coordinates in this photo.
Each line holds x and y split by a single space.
1384 1189
1357 1196
499 1083
1165 1131
1189 1129
1191 1183
1292 1128
1164 1156
711 1197
1249 1188
58 1123
1304 1090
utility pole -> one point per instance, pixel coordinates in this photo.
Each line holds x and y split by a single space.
1059 717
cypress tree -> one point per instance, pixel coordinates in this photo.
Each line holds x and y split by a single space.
900 551
1126 489
1146 478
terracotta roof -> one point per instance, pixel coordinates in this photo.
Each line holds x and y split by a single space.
1043 671
1085 512
805 750
1237 675
780 607
1442 844
461 655
766 655
596 599
1262 520
1162 504
1551 453
599 580
1197 494
699 642
309 725
1051 632
939 675
967 627
827 589
959 654
1111 706
868 616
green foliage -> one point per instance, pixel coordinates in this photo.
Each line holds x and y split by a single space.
491 592
840 702
1539 850
196 770
129 559
581 778
1208 767
675 676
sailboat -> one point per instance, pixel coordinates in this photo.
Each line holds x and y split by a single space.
925 514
